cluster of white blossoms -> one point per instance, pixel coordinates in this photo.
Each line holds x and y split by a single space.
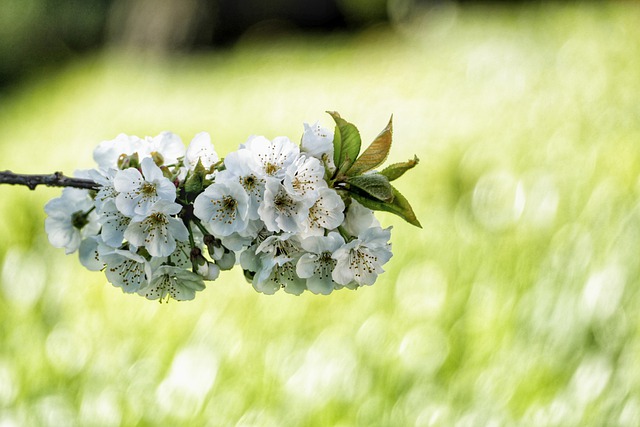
163 219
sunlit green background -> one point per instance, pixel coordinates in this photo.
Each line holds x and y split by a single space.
516 304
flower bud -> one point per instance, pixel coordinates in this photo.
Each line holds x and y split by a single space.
208 271
128 161
157 158
227 260
198 262
214 247
201 269
212 273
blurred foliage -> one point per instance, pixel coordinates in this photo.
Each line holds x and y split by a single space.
38 34
516 304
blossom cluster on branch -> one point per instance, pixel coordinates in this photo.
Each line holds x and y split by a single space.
163 219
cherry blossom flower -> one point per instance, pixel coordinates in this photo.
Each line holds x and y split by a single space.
201 149
107 191
125 269
282 274
223 208
361 259
325 214
158 231
359 219
305 177
107 153
282 211
317 264
88 254
275 262
71 218
114 224
166 144
242 166
273 157
318 142
172 282
139 191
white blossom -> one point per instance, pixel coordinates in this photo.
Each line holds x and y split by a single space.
181 256
317 265
125 269
282 211
282 274
107 192
158 231
177 283
70 219
358 219
139 191
327 213
223 208
255 232
280 245
318 142
201 149
249 258
107 153
305 177
273 157
88 254
275 265
242 166
361 260
114 224
167 144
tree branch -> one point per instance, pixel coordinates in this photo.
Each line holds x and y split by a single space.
56 179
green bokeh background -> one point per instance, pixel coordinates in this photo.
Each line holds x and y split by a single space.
516 304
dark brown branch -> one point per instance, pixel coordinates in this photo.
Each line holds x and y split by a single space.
56 179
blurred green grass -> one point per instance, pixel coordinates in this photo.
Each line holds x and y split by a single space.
516 304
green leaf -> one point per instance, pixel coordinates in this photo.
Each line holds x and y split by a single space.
195 183
399 206
337 146
372 184
375 154
348 148
396 170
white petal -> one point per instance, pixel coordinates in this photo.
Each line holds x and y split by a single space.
306 265
135 234
177 229
200 148
320 285
341 274
150 170
170 146
127 180
88 255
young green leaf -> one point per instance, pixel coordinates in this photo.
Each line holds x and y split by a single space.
371 185
396 170
337 146
195 182
375 154
349 142
399 206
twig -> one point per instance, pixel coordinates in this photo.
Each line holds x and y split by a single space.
57 179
